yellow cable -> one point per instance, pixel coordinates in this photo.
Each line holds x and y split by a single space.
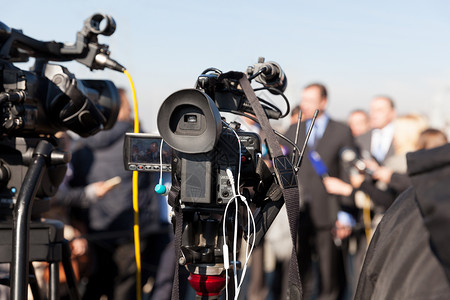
137 245
367 219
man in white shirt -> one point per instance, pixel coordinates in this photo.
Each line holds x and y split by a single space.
377 143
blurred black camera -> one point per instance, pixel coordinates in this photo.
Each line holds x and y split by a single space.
38 103
34 106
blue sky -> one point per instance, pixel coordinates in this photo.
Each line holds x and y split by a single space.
358 49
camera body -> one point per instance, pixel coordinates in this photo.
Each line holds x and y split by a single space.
203 176
205 191
219 180
203 147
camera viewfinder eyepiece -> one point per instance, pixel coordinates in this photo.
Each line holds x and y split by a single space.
194 121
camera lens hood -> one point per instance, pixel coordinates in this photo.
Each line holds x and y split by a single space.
189 122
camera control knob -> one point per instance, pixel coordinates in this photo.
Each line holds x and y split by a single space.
60 157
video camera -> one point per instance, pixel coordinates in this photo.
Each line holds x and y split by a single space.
216 168
37 104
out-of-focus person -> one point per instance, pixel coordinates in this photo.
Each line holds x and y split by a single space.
431 138
392 175
318 208
359 122
110 219
384 184
409 254
410 136
377 142
406 136
375 147
66 205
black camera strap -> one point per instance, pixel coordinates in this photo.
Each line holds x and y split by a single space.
174 201
286 179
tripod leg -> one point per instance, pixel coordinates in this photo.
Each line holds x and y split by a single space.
68 270
54 280
21 225
35 290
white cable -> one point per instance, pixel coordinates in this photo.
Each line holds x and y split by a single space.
235 247
233 189
225 246
249 217
248 254
227 266
236 196
160 160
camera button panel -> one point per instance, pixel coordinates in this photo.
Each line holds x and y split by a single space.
149 167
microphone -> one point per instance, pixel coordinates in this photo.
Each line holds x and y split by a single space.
349 155
318 164
269 74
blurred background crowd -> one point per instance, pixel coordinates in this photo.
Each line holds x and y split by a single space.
365 165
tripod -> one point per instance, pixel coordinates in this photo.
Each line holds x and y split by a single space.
23 241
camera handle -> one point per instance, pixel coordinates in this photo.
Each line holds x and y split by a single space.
21 216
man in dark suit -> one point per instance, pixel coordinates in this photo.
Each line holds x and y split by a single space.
377 143
319 209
